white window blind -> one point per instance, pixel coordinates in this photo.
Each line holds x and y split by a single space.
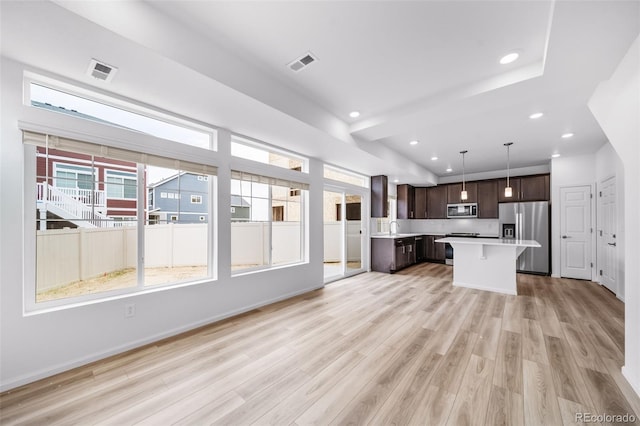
250 177
65 144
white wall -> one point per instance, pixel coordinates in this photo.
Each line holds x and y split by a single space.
609 164
570 171
37 345
616 106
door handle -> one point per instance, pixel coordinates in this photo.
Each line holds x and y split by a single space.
565 236
612 244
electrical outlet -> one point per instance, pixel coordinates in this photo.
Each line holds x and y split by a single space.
130 310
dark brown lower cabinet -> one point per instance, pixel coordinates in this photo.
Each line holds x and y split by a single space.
434 251
392 254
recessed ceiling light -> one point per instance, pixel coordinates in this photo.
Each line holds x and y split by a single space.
354 114
449 169
413 143
434 158
507 59
555 155
567 135
536 115
396 181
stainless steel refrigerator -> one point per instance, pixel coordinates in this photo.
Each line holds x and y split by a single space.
528 221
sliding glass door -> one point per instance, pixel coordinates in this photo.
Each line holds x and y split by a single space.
343 236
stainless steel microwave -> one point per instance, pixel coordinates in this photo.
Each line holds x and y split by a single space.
459 211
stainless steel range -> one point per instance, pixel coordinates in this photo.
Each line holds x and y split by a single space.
448 250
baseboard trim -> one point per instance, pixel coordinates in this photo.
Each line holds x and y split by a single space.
479 287
634 385
79 362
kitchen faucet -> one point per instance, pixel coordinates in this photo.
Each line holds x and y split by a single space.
397 226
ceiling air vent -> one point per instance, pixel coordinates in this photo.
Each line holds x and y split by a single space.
101 71
302 62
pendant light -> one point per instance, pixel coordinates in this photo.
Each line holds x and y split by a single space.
463 194
508 191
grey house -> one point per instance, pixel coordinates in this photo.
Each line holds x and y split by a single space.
182 198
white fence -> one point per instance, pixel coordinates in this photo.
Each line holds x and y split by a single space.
68 255
333 241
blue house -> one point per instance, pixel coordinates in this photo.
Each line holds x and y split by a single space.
181 198
184 197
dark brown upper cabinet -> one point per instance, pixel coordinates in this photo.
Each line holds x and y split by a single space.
515 185
488 199
420 204
406 201
534 188
437 202
379 196
454 190
525 188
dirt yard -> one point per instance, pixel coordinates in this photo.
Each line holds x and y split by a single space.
123 279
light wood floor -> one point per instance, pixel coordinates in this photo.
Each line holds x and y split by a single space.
377 349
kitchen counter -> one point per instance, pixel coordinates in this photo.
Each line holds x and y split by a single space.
490 241
407 235
486 263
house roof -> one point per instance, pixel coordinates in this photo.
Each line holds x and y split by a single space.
165 180
238 201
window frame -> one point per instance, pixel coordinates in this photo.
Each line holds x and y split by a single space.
239 164
34 306
365 179
303 234
60 166
133 176
42 121
269 149
111 100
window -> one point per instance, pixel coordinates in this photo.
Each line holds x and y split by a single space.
334 173
73 176
51 99
196 199
87 248
263 154
267 226
163 195
121 185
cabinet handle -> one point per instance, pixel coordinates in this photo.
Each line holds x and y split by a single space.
612 244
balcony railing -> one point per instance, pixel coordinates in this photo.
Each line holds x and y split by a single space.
71 208
85 196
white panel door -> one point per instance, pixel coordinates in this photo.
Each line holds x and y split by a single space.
575 231
607 235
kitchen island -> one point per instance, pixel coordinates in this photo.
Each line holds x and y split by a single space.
486 263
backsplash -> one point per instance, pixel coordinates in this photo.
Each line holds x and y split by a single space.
488 227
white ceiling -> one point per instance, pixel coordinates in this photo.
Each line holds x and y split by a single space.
415 70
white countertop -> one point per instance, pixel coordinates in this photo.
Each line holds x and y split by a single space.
490 241
393 236
420 234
